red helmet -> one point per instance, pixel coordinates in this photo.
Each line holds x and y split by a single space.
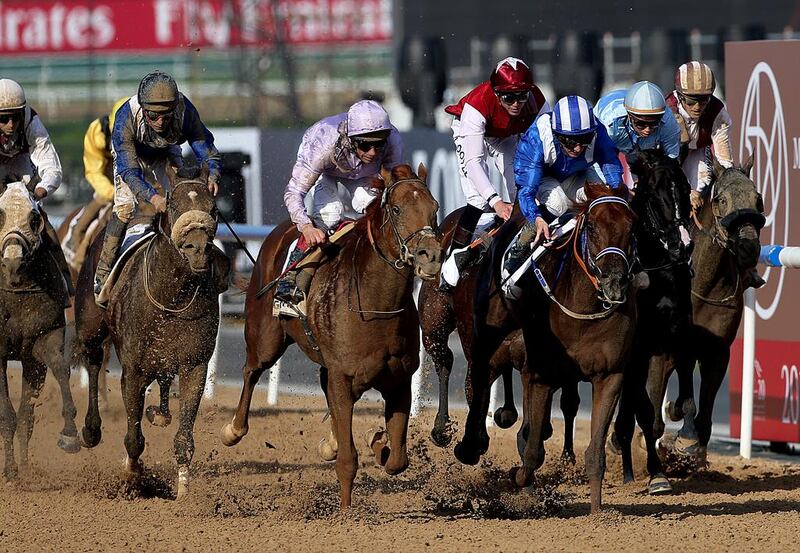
511 75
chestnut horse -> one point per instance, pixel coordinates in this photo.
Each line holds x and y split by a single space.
578 326
163 315
362 326
32 295
726 237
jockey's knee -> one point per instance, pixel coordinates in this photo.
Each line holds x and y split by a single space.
330 215
557 202
124 211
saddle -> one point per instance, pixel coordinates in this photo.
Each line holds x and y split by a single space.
136 236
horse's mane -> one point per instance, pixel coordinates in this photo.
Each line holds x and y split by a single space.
378 184
595 190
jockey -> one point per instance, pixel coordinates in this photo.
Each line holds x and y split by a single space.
348 148
637 119
704 123
147 133
26 150
556 157
487 123
98 170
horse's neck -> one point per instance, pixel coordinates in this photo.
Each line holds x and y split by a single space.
713 265
394 284
167 271
573 287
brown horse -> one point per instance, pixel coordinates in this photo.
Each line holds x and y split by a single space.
579 326
32 295
362 326
162 316
727 247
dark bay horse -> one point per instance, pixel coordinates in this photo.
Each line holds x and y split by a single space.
162 316
661 204
727 247
32 295
578 326
440 314
362 326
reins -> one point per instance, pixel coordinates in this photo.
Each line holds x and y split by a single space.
148 293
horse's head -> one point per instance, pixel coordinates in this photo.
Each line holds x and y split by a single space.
738 211
191 218
662 206
406 215
607 241
21 227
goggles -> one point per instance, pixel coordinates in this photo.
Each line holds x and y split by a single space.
511 98
572 142
6 117
156 115
367 145
694 100
642 124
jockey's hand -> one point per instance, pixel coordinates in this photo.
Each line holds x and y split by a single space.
313 235
503 209
696 200
542 229
213 187
158 202
682 127
39 193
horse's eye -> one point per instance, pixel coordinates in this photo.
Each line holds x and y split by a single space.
395 210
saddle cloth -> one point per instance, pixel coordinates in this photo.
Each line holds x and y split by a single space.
135 237
76 258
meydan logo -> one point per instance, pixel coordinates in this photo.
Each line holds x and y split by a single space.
764 136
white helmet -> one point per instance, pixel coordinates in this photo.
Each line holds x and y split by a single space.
367 117
11 95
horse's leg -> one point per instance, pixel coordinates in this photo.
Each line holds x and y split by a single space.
255 366
524 429
645 416
160 416
95 354
437 322
33 375
394 457
686 442
340 402
658 372
605 394
328 447
476 439
103 374
49 351
713 366
625 424
536 407
570 401
8 423
192 382
133 389
507 415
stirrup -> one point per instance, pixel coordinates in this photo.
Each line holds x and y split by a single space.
283 308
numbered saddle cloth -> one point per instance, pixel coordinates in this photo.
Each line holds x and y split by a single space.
135 237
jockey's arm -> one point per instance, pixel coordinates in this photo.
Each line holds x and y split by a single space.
44 157
96 158
123 139
606 156
201 141
670 135
307 169
721 138
528 171
473 126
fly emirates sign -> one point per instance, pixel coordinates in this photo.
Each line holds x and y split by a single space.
40 27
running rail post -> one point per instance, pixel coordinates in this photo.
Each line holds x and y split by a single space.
274 383
494 399
748 368
416 378
211 374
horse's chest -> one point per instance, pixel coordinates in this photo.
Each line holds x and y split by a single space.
26 317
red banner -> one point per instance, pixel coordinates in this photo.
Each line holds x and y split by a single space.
41 27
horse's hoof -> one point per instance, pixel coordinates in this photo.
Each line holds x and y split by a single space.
70 444
505 418
10 473
568 457
659 485
231 437
672 412
522 476
183 482
133 467
326 451
466 455
687 447
441 437
376 436
156 417
90 438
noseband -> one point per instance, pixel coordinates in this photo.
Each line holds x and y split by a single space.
406 258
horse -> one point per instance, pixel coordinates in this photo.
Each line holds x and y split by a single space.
440 314
162 315
32 295
661 203
727 247
362 326
578 327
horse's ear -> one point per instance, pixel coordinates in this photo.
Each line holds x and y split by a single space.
718 168
747 167
422 173
386 175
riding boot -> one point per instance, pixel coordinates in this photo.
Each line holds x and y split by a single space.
78 228
51 243
292 288
521 249
115 231
462 257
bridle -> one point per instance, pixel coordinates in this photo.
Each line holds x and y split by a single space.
406 258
